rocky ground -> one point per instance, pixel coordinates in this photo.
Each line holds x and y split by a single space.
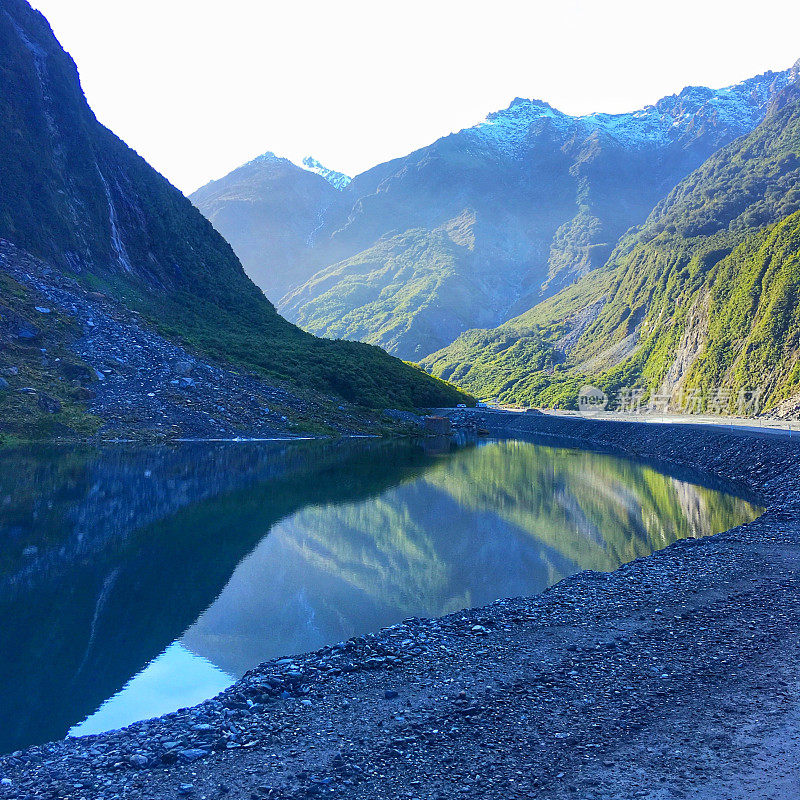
675 676
788 409
133 381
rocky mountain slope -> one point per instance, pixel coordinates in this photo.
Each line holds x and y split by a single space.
81 213
336 179
701 302
479 226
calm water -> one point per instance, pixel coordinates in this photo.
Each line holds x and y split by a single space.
134 581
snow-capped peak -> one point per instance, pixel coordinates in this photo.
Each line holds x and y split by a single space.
507 129
741 106
268 157
336 179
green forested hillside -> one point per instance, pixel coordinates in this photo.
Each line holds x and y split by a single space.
411 293
702 299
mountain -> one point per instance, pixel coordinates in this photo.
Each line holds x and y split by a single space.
110 278
701 301
481 225
273 210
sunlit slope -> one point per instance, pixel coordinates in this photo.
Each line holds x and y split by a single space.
537 199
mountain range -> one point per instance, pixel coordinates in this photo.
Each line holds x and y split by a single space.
476 228
520 259
121 305
701 301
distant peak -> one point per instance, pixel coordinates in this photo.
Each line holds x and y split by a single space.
267 158
336 179
506 129
529 101
532 106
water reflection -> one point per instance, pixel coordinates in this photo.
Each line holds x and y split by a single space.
137 580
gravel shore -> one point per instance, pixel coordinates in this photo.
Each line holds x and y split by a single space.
675 676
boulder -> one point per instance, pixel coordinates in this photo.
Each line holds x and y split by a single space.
27 332
183 368
441 426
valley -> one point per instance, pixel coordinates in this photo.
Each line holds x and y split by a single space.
649 254
475 229
320 483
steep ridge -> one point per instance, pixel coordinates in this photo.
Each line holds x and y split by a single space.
336 179
702 301
541 198
91 218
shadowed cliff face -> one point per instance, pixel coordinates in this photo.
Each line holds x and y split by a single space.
74 193
243 552
87 226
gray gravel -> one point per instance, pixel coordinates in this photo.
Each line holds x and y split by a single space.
142 385
675 676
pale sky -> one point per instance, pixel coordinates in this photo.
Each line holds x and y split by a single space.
198 87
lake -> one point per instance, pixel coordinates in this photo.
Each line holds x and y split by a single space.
137 580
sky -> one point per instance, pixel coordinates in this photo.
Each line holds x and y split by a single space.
199 87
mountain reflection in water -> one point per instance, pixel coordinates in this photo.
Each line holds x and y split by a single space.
136 580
